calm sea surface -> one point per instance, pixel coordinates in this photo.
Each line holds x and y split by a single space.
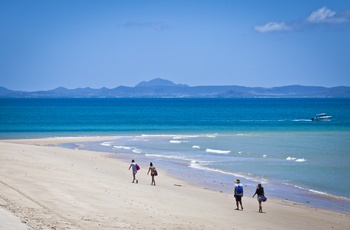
209 142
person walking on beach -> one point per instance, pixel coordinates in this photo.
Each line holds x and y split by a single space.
134 167
154 173
261 195
238 193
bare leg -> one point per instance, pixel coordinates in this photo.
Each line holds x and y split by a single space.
134 178
260 207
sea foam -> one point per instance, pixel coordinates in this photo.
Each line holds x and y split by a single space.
295 159
106 144
217 151
175 141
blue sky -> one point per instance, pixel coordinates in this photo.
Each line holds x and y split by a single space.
46 44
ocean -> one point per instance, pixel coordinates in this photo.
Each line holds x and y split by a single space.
209 142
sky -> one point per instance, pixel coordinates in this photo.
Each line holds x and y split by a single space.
45 44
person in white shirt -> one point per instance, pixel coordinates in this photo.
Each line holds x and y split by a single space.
238 193
134 171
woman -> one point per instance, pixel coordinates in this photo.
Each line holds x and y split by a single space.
133 165
261 194
153 171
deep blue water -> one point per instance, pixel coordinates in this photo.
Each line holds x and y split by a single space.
209 141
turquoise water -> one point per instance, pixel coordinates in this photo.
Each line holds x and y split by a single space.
209 141
89 116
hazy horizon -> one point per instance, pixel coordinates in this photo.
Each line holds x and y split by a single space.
174 83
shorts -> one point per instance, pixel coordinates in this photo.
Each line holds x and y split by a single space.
238 198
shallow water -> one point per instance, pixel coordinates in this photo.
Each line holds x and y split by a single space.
214 161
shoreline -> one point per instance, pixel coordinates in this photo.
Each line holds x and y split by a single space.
47 185
310 198
216 179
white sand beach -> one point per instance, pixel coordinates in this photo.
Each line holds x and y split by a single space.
44 186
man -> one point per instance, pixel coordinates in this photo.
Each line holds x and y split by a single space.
238 193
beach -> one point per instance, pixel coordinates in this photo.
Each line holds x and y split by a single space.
45 186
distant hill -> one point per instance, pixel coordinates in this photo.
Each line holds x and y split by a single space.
158 82
161 88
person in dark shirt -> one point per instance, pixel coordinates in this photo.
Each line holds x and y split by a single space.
261 195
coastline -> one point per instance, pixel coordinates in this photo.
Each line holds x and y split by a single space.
47 186
176 154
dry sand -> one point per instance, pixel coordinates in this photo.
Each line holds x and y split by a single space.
43 186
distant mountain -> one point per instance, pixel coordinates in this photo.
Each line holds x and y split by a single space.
9 93
161 88
158 82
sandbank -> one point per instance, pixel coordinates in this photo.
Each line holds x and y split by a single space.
44 186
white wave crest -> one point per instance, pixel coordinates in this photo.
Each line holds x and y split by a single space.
121 147
181 137
296 159
217 151
291 158
106 144
137 151
318 192
175 141
196 147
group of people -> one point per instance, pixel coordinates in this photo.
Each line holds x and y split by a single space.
151 170
238 187
238 194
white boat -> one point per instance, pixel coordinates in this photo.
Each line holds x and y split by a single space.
321 117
